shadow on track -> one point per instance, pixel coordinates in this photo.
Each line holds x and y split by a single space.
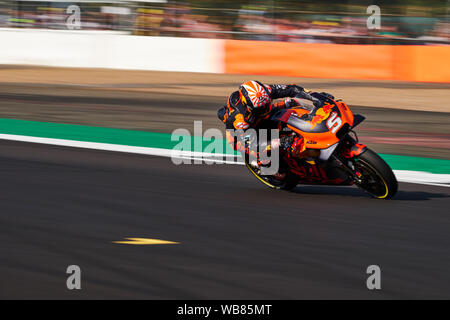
418 195
355 192
330 190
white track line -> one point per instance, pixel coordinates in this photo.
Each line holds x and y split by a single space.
418 177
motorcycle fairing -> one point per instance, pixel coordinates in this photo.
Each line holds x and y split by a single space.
313 127
300 119
306 125
354 151
318 173
325 154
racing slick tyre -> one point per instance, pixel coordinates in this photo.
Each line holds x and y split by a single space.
377 177
289 182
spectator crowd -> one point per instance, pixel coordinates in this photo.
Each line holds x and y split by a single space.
177 19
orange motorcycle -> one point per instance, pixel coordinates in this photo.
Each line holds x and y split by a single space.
333 155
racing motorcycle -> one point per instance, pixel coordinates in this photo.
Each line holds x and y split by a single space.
334 154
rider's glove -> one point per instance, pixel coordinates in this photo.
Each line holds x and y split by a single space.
328 95
299 91
317 103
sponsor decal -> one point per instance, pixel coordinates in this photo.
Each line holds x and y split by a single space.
321 115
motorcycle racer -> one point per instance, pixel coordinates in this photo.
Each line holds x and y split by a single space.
303 144
253 103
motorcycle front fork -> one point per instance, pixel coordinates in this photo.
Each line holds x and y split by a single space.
348 167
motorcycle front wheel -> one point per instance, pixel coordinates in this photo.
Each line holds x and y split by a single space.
377 178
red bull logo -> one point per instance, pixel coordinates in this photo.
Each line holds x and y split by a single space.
321 115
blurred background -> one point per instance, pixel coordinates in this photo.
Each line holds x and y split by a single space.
421 22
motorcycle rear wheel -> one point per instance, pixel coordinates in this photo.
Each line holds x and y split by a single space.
378 179
288 183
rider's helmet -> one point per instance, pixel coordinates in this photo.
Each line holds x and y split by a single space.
255 96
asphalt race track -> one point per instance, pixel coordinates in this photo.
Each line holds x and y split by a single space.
237 238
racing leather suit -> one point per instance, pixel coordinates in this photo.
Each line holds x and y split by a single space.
236 115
